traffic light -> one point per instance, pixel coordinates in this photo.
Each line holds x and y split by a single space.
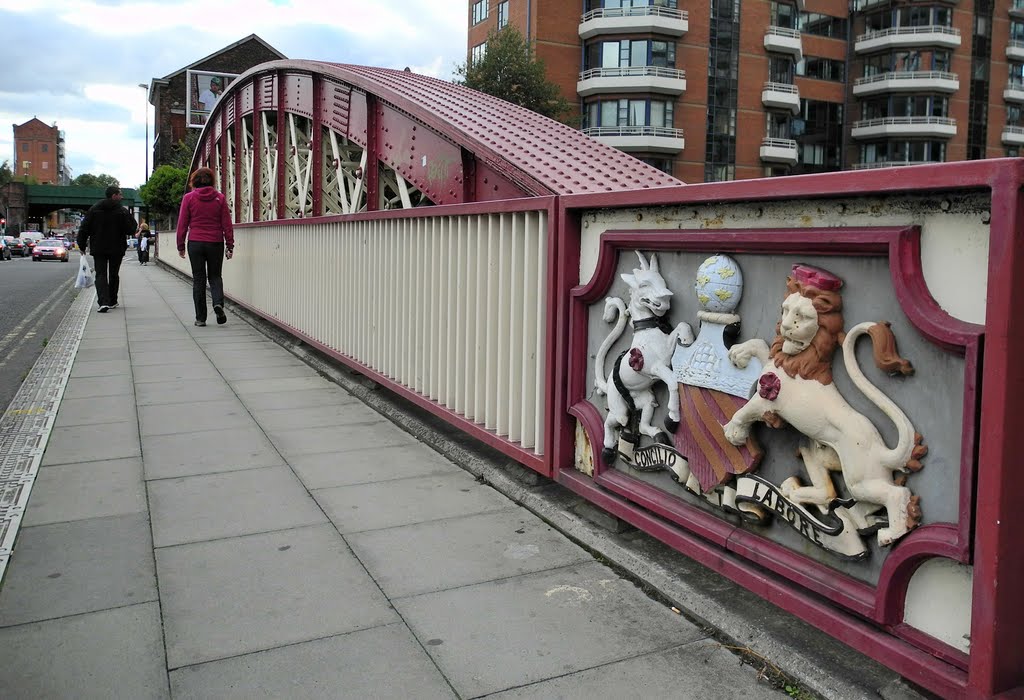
3 225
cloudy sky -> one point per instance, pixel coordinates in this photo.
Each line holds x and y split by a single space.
78 63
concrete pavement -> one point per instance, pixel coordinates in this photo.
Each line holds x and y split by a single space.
213 518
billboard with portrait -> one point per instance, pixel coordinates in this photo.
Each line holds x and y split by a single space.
202 92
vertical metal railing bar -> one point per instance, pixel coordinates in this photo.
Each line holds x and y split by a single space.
528 359
459 365
501 371
472 311
480 342
494 227
444 312
421 265
541 344
514 347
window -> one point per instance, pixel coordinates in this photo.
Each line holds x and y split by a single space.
783 15
45 148
777 126
623 112
1016 31
626 53
25 147
822 69
780 69
662 164
818 131
46 165
823 25
905 106
502 14
479 11
903 152
477 52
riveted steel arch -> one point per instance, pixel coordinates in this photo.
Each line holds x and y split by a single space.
295 139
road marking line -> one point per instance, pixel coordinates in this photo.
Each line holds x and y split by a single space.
17 331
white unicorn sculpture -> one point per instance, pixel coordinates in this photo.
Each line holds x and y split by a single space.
630 384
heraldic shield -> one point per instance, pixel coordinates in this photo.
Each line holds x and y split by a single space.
711 388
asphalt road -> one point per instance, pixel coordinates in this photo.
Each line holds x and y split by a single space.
34 298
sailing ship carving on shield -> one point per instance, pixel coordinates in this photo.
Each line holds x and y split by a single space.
718 387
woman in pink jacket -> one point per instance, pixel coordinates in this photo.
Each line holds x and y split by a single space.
206 220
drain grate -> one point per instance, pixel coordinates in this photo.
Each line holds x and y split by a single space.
26 424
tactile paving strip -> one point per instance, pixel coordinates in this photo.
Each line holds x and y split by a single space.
28 421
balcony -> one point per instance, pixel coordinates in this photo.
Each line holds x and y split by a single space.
1015 50
1013 135
779 151
668 81
896 37
938 127
781 96
890 164
628 20
1014 91
784 40
1017 9
907 81
647 139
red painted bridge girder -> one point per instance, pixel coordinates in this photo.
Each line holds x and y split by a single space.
453 144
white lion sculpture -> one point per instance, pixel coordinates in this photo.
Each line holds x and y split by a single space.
629 385
796 387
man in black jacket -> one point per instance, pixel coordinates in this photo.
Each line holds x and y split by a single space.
105 229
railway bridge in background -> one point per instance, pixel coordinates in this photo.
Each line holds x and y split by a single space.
459 251
34 203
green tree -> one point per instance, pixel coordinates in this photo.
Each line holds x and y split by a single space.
162 194
5 173
181 155
90 180
510 70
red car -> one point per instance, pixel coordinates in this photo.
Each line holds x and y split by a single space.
50 249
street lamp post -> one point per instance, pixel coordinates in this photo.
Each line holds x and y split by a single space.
146 88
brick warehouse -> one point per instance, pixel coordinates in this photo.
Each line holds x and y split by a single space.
757 88
168 94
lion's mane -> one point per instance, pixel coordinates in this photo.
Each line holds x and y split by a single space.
815 361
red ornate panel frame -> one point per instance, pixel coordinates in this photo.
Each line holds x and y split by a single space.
750 555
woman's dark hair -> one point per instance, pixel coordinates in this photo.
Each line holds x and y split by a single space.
202 177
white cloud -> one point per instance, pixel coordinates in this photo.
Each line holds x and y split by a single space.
84 77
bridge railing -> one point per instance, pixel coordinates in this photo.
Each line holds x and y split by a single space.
490 315
448 305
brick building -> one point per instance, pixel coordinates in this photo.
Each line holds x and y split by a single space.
751 88
168 95
39 153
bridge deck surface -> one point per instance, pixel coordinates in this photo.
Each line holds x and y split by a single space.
212 517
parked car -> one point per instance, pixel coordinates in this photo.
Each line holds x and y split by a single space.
5 250
16 246
50 249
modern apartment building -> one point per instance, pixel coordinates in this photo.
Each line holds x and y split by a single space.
735 89
39 153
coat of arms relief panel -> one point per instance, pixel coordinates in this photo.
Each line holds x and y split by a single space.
788 394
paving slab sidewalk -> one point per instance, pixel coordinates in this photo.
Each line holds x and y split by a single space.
215 519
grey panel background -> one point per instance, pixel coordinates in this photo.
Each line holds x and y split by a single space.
932 397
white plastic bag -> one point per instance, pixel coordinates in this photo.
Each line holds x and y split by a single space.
85 276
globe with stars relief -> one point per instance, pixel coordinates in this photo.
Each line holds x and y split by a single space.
719 285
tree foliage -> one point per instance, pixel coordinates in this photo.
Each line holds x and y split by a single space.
181 156
162 194
510 70
90 180
5 173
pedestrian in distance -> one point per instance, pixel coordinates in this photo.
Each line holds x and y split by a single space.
105 231
205 221
143 246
